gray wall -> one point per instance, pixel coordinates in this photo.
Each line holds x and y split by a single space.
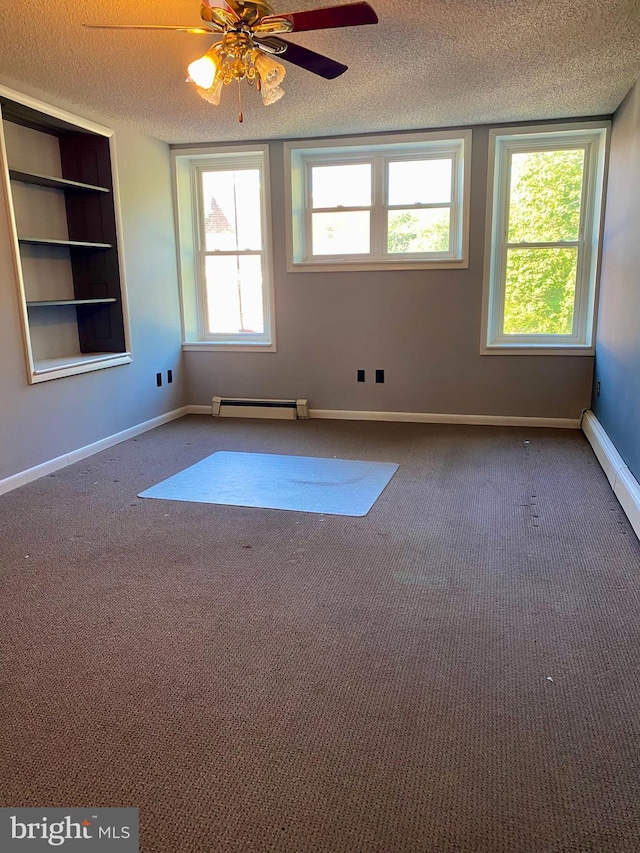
618 341
41 422
421 327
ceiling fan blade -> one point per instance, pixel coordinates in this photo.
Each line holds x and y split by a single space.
200 31
305 58
347 15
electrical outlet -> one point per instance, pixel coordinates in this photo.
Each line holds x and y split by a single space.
159 380
169 377
598 388
379 376
361 376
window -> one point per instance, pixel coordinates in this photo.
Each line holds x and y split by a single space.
224 242
544 206
399 203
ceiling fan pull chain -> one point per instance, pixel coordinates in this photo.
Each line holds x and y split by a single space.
240 117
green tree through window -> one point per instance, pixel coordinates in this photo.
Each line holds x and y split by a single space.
405 233
544 207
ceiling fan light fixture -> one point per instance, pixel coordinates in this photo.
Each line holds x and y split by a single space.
235 58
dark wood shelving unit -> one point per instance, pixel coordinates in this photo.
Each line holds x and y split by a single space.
74 179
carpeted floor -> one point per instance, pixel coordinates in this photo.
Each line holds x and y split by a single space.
456 672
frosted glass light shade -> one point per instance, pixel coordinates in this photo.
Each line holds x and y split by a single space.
271 94
271 72
202 71
213 93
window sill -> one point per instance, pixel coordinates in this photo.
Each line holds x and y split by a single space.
376 266
211 346
537 349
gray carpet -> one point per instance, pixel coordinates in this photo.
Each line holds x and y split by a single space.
456 672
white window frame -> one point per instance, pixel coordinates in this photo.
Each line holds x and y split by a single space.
592 137
188 164
302 155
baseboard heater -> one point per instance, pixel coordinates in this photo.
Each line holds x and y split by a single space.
247 407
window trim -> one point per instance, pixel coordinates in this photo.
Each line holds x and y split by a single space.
593 136
187 164
386 148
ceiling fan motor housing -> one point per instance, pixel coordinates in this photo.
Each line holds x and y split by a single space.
251 11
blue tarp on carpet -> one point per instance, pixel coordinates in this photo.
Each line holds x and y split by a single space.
270 481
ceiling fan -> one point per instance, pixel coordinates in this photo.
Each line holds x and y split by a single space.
251 37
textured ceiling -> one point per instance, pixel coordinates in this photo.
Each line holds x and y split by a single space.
426 64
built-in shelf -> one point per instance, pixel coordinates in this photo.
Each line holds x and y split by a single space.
52 303
73 244
61 185
54 183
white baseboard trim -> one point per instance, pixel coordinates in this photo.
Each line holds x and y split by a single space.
426 418
625 486
24 477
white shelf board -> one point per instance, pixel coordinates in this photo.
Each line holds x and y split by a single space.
52 182
57 303
69 365
78 244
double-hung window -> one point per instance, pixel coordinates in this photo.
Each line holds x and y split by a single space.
223 230
544 209
400 202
